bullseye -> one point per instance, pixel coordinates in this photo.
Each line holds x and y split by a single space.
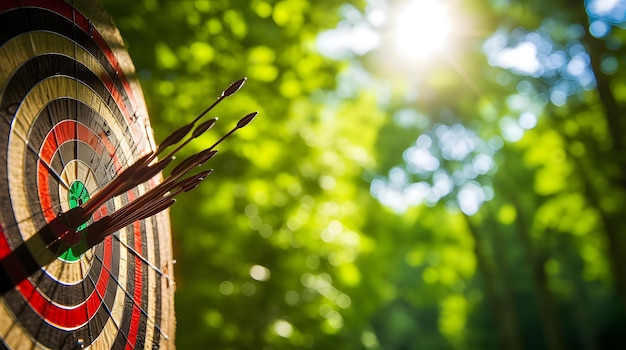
77 195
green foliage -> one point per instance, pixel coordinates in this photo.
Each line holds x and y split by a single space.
289 244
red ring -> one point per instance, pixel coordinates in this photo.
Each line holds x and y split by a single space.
65 131
75 316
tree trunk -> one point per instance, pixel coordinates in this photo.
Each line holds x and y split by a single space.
545 302
502 305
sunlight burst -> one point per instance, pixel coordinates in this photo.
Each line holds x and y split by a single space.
421 29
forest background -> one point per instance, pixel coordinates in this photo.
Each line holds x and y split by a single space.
424 174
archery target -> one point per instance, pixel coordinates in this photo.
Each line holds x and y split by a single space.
71 120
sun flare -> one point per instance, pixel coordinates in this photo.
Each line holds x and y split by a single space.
421 29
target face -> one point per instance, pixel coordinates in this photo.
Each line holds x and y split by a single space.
70 121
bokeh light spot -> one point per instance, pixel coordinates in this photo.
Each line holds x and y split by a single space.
260 273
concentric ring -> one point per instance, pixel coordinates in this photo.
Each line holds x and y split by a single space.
69 116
